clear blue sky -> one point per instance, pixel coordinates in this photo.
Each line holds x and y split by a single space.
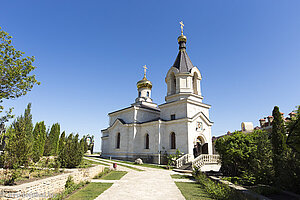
89 56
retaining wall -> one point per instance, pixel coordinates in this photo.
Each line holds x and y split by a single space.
48 187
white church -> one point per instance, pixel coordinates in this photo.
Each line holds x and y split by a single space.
148 131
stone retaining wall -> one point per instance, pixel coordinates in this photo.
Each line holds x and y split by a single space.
48 187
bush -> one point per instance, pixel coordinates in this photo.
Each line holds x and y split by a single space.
215 190
247 156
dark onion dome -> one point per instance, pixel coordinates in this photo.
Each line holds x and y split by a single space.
183 63
144 83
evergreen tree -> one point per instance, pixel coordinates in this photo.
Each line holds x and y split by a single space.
62 142
51 146
18 150
39 135
71 155
279 147
47 147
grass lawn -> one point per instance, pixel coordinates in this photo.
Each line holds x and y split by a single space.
132 163
178 176
112 161
91 191
114 175
192 191
94 162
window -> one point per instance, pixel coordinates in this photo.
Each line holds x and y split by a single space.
118 138
173 141
147 141
148 93
195 83
172 84
139 94
173 117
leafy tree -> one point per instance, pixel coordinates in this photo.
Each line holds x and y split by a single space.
51 146
39 135
62 142
15 71
19 143
279 147
247 156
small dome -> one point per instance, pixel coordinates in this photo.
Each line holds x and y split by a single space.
181 38
144 83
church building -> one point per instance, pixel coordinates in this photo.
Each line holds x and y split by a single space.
148 131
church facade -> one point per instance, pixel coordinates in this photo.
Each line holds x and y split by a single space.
149 131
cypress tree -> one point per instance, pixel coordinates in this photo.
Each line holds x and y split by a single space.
62 142
278 139
39 135
51 146
18 150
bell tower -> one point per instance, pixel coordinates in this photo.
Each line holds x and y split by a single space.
183 78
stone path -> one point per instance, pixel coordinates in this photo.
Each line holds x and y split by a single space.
143 185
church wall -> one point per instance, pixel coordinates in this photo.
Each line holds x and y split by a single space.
179 109
145 115
127 116
193 109
180 129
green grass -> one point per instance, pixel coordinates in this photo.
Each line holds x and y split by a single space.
91 191
112 161
132 163
94 162
178 176
192 191
114 175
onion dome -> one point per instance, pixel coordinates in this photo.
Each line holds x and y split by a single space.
144 83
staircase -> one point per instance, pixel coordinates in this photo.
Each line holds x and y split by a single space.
204 162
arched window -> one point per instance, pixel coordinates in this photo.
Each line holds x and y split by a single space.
118 140
173 141
195 83
139 94
148 93
147 141
173 83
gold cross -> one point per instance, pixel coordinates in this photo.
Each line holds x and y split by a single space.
145 70
181 26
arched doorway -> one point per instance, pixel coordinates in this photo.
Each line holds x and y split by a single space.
200 147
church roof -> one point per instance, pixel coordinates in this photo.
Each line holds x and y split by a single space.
183 63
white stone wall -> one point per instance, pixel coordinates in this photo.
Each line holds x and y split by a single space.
177 108
144 115
48 186
126 115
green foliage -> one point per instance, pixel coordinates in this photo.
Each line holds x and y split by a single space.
173 157
215 190
103 173
279 147
39 135
69 182
18 149
246 155
293 139
62 142
15 72
51 146
72 153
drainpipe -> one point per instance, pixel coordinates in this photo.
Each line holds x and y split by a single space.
159 142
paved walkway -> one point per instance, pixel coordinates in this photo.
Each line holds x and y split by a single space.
143 185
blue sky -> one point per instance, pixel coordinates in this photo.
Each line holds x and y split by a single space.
89 56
